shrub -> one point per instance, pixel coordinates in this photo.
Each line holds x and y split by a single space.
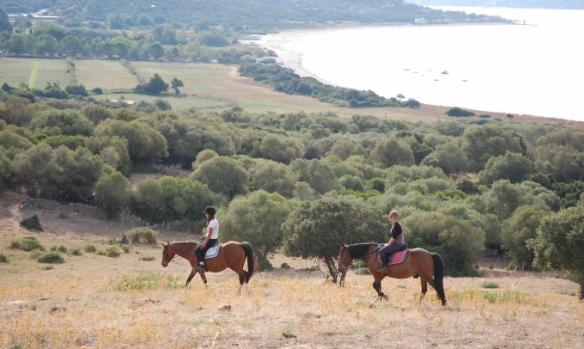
457 241
223 175
112 251
90 249
143 235
512 166
59 248
52 257
489 284
459 112
36 254
32 223
3 258
147 258
28 243
76 251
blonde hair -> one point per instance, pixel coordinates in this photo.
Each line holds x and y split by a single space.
393 213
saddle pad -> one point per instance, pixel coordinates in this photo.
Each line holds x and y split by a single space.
212 252
399 257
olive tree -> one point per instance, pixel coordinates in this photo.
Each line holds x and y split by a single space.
560 243
257 218
317 229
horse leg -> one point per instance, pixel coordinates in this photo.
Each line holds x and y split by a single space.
191 275
204 278
242 278
377 287
424 288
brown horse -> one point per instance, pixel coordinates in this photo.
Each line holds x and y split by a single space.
232 255
418 263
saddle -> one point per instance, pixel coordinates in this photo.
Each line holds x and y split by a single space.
397 257
213 251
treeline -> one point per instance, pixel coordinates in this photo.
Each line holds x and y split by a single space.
244 15
287 81
161 42
275 173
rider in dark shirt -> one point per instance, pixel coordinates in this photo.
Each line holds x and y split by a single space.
397 241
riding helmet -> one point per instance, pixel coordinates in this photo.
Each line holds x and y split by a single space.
210 210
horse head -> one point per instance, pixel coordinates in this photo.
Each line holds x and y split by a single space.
345 260
167 253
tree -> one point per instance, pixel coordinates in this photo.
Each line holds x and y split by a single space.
20 44
173 198
112 193
78 90
5 26
392 152
449 157
257 218
61 122
456 240
71 45
154 87
203 156
46 44
156 51
483 142
512 166
317 173
280 149
518 230
144 143
318 228
60 174
272 177
223 175
560 243
5 171
176 84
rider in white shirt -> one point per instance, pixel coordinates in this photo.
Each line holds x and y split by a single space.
211 238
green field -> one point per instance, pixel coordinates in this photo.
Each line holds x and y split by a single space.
16 71
207 86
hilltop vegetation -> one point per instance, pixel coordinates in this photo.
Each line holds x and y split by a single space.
463 187
242 15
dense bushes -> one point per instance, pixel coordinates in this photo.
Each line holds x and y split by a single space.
457 240
287 81
257 218
172 198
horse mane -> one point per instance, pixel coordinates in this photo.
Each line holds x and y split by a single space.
360 250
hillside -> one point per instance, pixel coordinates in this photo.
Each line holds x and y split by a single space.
93 300
245 14
554 4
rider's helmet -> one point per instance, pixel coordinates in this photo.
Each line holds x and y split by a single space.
210 210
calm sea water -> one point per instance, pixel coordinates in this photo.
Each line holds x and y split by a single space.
534 68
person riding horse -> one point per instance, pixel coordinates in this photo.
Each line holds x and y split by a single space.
211 238
397 241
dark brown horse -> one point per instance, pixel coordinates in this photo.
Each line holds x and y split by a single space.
418 263
232 255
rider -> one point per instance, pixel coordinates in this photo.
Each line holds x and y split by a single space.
397 241
210 239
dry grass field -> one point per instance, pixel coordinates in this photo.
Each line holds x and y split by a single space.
95 301
211 87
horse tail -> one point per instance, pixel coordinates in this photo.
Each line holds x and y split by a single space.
250 260
439 277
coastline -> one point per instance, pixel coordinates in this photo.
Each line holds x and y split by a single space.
293 59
